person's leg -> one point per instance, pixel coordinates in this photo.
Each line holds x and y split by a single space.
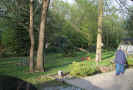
117 69
122 68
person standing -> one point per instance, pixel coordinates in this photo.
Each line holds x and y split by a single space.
120 61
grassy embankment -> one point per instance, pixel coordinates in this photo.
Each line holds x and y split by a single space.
53 63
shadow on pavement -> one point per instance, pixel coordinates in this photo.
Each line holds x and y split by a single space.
84 84
13 83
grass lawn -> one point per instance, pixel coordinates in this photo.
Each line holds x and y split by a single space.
53 63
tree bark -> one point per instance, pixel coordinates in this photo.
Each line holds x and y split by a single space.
40 52
31 34
99 34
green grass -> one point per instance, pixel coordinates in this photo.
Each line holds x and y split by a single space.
53 63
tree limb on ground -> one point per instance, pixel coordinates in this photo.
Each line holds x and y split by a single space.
82 49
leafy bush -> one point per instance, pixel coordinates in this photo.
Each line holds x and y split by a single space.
6 52
83 68
130 62
105 62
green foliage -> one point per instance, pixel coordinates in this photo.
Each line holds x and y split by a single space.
8 41
85 21
128 23
16 38
76 22
130 61
111 26
83 68
8 37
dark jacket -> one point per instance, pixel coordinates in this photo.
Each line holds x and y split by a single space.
120 57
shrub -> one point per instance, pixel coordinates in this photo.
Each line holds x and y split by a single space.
83 68
130 61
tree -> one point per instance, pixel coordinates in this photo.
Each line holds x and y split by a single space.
128 25
112 31
79 22
40 61
99 33
19 23
31 34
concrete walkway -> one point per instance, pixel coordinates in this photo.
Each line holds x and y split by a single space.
105 81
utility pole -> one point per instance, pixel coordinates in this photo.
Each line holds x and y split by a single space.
99 32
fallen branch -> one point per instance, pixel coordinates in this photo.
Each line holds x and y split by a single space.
83 50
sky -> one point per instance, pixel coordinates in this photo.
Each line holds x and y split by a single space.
123 5
70 1
119 4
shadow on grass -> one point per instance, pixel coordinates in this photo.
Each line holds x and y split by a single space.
58 66
108 56
60 61
13 83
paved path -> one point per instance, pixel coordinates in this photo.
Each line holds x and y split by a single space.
105 81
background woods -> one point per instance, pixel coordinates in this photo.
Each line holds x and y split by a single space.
34 29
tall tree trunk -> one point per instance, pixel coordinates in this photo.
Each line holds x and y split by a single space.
40 52
99 34
31 34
